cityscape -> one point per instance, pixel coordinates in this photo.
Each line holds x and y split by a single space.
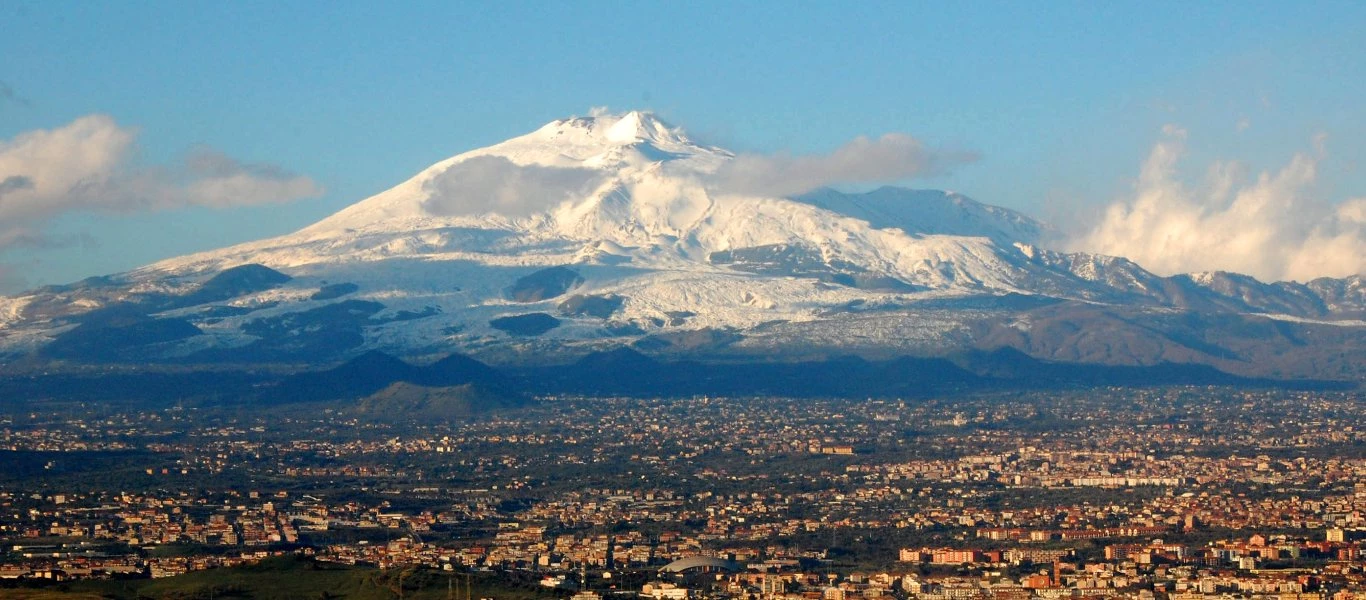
1177 492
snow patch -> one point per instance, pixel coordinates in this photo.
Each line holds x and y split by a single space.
1295 319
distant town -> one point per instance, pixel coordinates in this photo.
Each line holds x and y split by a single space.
1174 493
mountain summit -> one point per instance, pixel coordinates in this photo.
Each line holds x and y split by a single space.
609 230
530 174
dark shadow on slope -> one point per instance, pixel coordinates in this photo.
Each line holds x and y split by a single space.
454 384
628 372
233 283
1010 367
544 284
117 333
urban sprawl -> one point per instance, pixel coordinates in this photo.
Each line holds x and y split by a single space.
1136 493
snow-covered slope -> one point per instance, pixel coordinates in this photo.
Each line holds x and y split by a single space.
634 189
930 212
589 229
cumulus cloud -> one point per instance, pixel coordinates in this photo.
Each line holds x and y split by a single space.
891 157
1272 227
88 165
493 184
219 181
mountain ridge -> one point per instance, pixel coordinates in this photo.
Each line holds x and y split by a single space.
611 230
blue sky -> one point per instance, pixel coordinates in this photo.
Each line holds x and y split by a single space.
1063 101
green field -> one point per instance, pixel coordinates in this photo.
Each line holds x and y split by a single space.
295 578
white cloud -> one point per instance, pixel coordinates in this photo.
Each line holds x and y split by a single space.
219 181
1272 227
493 184
87 165
891 157
1352 212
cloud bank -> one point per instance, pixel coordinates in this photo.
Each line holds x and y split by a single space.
1272 227
87 166
493 184
892 157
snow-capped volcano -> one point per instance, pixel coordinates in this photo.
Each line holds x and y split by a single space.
563 162
607 229
631 189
